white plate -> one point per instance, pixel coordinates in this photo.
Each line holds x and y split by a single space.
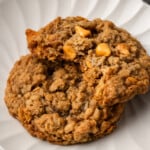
16 15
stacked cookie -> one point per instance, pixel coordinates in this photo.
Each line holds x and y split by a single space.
73 86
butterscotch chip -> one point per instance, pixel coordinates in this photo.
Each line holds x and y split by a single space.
82 32
107 57
51 100
131 80
123 49
103 49
69 52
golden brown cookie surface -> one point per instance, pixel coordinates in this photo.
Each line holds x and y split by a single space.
54 102
113 62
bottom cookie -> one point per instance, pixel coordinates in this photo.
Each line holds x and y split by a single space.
51 102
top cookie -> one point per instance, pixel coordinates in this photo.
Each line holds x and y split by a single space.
111 59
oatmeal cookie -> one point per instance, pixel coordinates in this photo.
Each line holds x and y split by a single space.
113 62
54 102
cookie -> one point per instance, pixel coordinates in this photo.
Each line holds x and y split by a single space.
113 62
54 102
